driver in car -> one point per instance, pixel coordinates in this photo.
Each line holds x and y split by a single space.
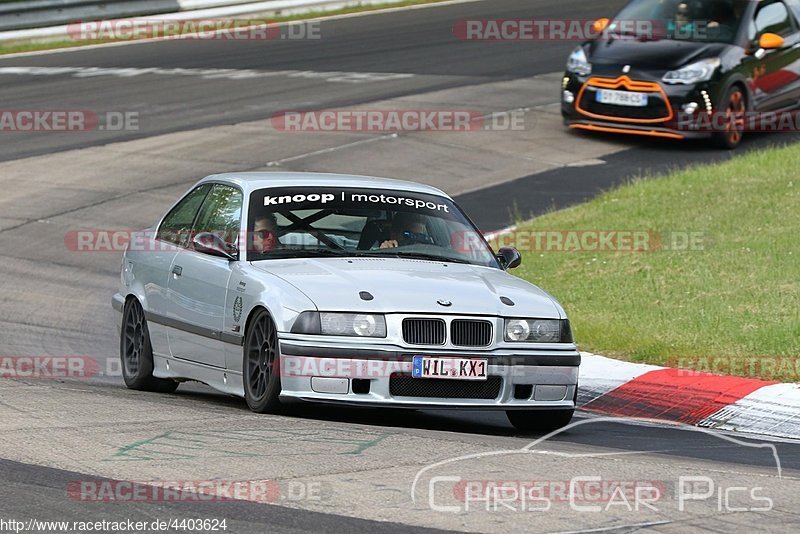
265 237
407 228
728 14
681 25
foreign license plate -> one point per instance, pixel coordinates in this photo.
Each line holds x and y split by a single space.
450 368
622 98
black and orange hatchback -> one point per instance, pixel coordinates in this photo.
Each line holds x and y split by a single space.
686 69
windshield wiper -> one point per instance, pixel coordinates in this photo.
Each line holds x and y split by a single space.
303 253
415 256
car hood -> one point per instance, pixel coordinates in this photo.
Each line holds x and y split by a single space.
411 286
662 55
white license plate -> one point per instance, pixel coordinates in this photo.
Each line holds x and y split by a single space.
450 368
622 98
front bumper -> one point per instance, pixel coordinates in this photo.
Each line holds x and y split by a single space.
631 129
380 375
664 117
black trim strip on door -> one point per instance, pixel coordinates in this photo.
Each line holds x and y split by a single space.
202 331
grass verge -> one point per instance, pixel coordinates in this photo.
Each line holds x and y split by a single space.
730 303
14 48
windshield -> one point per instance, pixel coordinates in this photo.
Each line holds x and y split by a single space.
306 222
683 20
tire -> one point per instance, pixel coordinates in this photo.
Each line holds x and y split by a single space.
733 104
539 420
136 352
262 382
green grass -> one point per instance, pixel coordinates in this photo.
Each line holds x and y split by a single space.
737 298
52 45
13 48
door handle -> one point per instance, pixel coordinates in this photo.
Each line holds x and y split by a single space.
177 270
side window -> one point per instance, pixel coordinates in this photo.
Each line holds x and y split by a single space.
177 225
221 213
774 18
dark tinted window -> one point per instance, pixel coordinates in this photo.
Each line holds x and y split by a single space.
177 225
683 20
773 18
221 213
304 222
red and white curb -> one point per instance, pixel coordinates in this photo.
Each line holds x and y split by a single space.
701 399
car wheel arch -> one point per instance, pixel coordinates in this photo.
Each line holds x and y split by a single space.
739 83
253 312
133 295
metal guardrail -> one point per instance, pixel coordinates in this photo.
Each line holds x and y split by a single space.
38 5
44 29
43 13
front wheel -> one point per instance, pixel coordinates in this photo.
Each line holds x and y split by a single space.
539 420
136 352
734 106
262 383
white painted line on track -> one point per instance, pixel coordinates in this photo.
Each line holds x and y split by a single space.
208 74
617 528
393 135
279 162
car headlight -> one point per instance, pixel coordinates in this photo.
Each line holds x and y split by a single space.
538 330
578 63
340 324
700 71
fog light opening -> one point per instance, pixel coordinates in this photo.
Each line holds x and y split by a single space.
523 391
690 108
361 386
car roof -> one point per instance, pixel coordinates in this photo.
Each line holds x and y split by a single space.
250 181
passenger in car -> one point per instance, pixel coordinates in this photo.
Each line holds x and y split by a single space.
404 223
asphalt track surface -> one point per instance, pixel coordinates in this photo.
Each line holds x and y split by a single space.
413 42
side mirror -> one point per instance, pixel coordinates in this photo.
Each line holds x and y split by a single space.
770 41
509 258
213 245
600 24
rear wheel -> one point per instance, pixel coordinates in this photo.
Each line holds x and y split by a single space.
136 353
539 420
262 383
734 107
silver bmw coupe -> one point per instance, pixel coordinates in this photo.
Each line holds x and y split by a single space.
281 287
